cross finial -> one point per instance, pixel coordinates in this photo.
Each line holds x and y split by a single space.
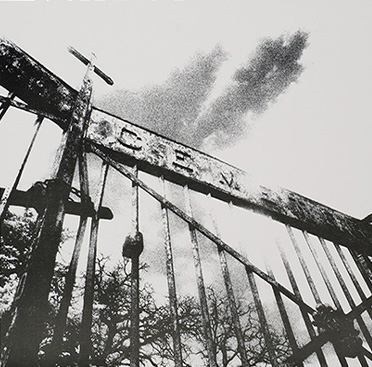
86 61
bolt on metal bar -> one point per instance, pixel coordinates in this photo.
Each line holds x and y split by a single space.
211 349
263 322
71 274
284 317
352 276
85 331
328 285
6 104
5 199
363 268
173 304
230 294
305 316
360 321
200 228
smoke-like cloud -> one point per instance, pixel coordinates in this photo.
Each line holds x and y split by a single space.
273 67
170 108
175 108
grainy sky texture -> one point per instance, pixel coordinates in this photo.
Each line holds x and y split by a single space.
177 108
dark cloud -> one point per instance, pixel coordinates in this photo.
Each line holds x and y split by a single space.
273 67
174 108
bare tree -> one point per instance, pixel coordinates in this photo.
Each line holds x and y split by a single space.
223 335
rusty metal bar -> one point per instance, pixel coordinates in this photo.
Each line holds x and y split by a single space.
135 204
6 197
305 316
6 104
363 268
85 330
233 308
28 321
24 107
134 288
360 321
34 83
71 274
327 283
173 305
284 317
322 271
352 276
263 322
300 257
200 228
211 348
230 295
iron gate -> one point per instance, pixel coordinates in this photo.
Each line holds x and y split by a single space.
316 278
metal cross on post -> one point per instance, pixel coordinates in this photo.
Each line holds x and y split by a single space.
30 305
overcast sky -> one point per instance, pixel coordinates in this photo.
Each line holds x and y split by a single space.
314 138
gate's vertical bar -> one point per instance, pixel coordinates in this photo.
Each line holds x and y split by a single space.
171 284
230 295
305 269
261 315
327 283
134 288
5 105
5 199
71 274
363 268
296 291
322 271
86 323
353 277
211 349
362 325
284 317
26 331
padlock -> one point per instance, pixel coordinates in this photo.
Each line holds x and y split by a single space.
133 245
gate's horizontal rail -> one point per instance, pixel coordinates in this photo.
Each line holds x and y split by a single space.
27 108
33 83
126 142
29 200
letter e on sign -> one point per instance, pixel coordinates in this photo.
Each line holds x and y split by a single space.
183 161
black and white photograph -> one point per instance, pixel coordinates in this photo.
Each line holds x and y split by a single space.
185 183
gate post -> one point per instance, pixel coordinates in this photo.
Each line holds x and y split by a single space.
31 302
